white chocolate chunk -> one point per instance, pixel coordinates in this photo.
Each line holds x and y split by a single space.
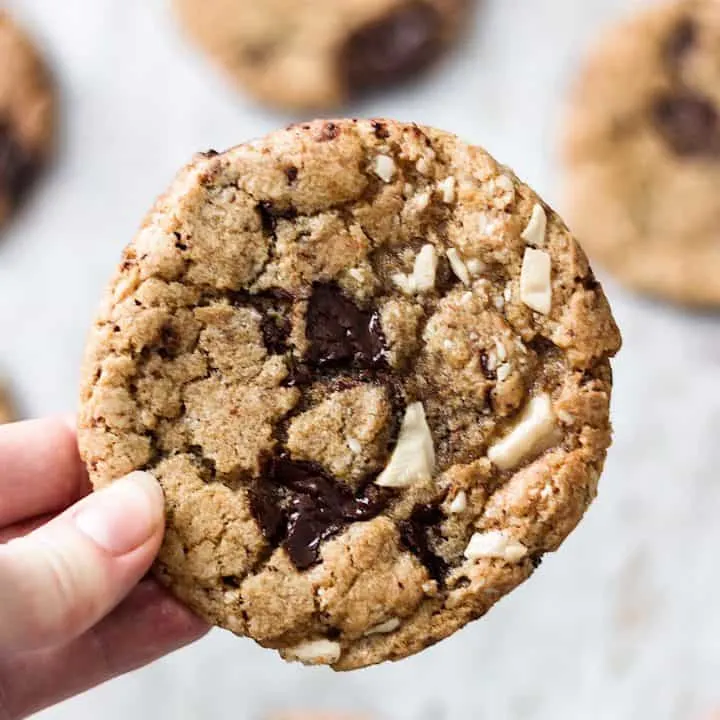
447 189
315 652
388 626
504 372
425 268
476 266
459 503
534 233
495 544
458 266
413 460
420 201
423 274
536 281
354 445
536 426
384 168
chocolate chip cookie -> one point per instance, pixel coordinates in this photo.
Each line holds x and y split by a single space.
643 152
26 115
7 410
317 54
370 368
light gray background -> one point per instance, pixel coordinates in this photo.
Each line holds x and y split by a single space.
625 621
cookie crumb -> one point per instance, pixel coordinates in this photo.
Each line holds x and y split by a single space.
447 189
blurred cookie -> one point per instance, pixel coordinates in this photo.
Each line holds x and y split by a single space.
26 115
370 368
319 53
7 410
643 152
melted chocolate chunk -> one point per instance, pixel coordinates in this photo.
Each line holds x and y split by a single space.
680 41
416 534
393 48
269 216
299 505
688 122
18 167
276 331
341 333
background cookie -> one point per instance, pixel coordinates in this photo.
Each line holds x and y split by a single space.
643 152
370 369
317 54
26 114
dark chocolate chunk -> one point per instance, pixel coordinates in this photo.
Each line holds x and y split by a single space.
688 122
341 333
392 48
276 331
299 505
679 43
328 132
381 130
270 214
18 167
291 173
416 534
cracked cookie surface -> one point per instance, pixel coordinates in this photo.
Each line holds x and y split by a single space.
319 53
642 148
370 368
26 115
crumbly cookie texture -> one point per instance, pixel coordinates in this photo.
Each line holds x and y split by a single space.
26 115
355 465
643 152
319 53
7 408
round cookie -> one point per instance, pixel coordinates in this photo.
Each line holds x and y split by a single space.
370 368
643 152
26 115
320 53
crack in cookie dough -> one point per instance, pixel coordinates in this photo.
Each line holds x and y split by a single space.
351 469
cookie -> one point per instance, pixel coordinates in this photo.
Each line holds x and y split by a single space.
319 54
7 409
643 152
370 368
26 115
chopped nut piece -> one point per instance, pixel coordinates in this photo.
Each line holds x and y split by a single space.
413 459
458 266
384 628
536 281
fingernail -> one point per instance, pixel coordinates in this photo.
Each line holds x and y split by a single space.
123 516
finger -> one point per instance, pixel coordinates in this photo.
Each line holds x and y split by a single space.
40 469
146 626
23 528
61 579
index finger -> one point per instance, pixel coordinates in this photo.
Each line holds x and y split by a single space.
40 469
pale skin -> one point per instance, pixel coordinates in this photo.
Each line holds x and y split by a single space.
75 610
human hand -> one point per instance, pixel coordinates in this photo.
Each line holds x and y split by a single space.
72 613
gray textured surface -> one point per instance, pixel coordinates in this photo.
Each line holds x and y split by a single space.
624 622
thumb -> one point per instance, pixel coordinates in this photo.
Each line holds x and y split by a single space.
63 578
